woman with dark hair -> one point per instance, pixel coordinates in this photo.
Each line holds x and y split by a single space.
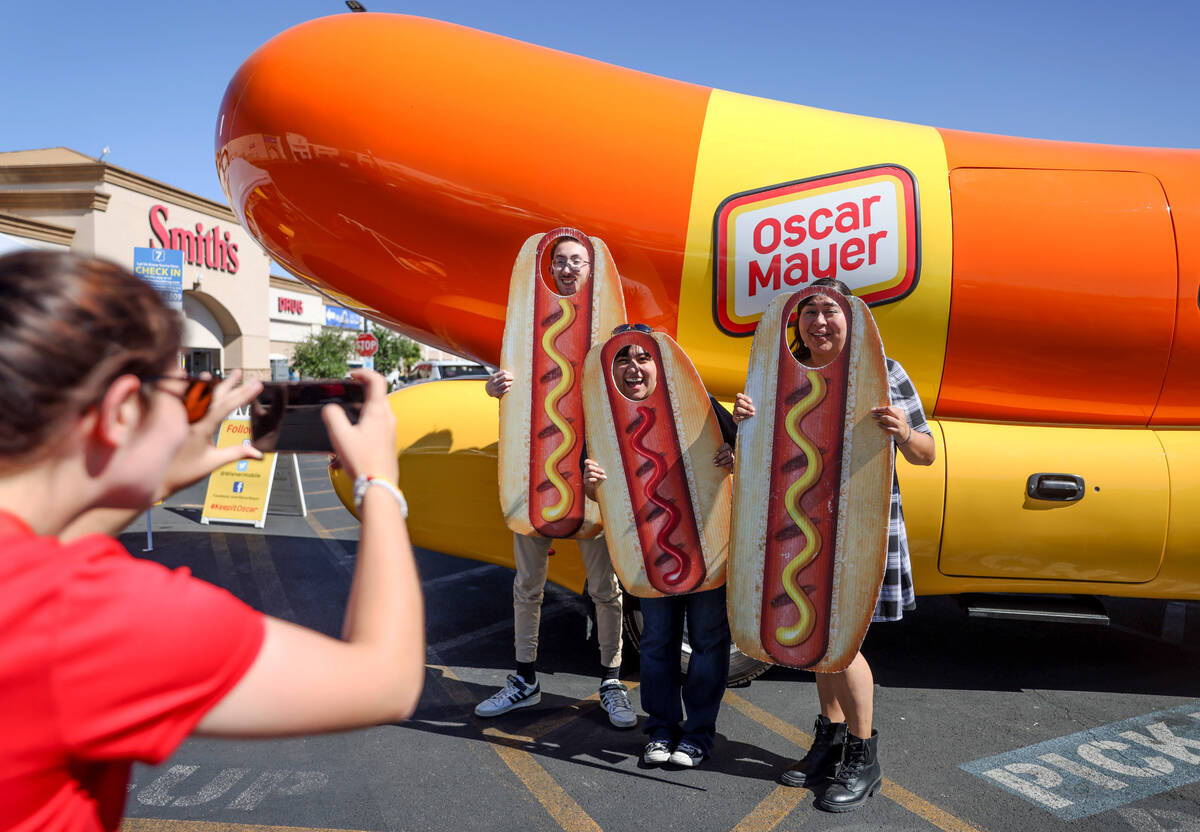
106 659
843 755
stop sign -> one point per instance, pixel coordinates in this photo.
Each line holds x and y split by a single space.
366 344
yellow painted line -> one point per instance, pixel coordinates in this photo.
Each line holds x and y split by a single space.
922 807
774 808
891 789
327 508
316 526
343 528
315 493
155 825
554 799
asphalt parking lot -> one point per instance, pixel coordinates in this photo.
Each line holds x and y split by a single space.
984 724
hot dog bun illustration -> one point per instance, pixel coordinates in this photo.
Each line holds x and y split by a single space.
546 338
665 504
812 489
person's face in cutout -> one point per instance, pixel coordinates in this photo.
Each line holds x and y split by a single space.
822 327
569 265
635 372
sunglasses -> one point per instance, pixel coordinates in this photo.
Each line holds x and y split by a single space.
635 327
196 395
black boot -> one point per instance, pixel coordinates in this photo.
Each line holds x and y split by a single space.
857 778
822 756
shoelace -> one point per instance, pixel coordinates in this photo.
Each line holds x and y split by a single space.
612 696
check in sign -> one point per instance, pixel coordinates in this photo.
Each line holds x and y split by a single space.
162 268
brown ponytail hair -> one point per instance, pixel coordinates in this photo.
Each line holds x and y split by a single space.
69 326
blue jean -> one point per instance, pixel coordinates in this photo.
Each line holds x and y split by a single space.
665 693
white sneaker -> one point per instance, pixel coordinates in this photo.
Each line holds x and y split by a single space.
614 698
686 755
515 694
656 752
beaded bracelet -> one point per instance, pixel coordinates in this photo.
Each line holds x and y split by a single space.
361 485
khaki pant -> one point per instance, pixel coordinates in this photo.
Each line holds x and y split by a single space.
532 561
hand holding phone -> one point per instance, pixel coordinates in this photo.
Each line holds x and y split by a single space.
287 417
367 448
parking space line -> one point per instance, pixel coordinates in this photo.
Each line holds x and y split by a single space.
338 507
270 587
308 493
455 577
342 529
553 798
156 825
772 810
893 791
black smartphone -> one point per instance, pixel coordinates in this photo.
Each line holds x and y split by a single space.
286 416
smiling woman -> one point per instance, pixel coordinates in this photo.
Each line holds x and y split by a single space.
97 421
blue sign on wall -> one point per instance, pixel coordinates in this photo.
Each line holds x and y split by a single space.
162 268
341 317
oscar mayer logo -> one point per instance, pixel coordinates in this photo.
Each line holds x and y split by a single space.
858 226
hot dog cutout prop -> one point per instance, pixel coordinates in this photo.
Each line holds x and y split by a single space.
810 539
666 506
546 338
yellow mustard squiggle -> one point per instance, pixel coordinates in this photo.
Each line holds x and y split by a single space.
802 629
565 495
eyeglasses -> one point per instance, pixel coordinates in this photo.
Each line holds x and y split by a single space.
627 327
574 263
196 395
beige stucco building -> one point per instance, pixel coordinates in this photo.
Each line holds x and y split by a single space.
59 198
236 314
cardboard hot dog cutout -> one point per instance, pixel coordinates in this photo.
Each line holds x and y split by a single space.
665 504
812 492
546 338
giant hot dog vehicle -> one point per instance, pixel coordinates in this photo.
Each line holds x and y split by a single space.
1042 295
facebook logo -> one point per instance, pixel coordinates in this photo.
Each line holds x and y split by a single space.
243 465
239 487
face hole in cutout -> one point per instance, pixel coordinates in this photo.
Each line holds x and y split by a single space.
576 271
634 371
816 331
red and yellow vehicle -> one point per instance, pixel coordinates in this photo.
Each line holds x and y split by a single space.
1042 295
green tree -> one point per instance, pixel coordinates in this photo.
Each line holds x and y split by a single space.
323 355
394 351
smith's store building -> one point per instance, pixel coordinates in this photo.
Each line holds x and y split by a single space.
61 199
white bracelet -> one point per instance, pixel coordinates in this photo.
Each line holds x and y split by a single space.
363 483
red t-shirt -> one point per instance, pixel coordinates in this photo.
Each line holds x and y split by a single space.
104 659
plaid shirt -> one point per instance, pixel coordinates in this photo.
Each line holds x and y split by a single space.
896 595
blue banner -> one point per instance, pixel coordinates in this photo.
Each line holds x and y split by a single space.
341 317
162 268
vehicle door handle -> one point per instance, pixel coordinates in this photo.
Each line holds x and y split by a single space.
1065 488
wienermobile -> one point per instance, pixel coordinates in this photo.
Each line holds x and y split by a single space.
1042 295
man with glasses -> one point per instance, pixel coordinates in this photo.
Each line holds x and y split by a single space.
570 267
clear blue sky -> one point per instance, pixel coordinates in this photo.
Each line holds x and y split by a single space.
145 78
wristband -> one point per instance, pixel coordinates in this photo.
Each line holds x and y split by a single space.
905 442
361 484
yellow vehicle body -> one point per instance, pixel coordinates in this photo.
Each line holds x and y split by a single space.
1042 295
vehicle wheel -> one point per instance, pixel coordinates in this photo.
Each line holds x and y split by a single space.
742 668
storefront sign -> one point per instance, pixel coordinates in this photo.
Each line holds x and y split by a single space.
212 249
341 317
289 306
162 269
240 491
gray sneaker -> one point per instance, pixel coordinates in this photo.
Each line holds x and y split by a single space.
614 698
515 694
